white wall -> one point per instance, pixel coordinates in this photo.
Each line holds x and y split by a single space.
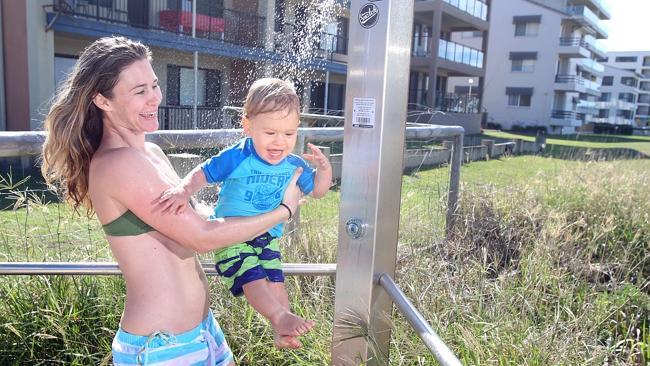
498 75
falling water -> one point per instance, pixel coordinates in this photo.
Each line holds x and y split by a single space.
303 32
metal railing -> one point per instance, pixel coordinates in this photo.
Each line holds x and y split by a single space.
291 39
212 22
180 117
459 53
560 114
572 41
111 268
475 8
431 340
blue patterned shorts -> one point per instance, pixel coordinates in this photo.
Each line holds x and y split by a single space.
203 345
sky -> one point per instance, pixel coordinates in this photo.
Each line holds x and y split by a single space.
629 28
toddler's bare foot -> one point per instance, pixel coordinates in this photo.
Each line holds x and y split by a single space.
286 342
286 323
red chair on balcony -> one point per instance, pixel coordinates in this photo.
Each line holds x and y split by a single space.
181 21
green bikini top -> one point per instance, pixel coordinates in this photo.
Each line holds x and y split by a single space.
128 224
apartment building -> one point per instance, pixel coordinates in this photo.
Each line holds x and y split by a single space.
542 68
234 42
440 55
617 104
637 63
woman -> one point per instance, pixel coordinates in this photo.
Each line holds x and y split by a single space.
96 152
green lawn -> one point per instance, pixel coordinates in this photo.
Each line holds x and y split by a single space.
638 143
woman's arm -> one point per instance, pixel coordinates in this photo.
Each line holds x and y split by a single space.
131 178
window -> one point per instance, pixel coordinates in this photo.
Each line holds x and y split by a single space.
335 97
603 113
623 113
608 81
180 86
526 29
517 100
628 97
471 34
519 97
626 59
523 61
63 65
628 81
526 25
523 66
605 97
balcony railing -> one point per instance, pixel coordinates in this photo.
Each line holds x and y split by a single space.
455 52
593 65
572 42
212 23
595 46
568 115
474 8
181 118
291 39
457 103
577 80
585 16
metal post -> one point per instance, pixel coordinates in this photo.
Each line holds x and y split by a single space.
376 96
327 87
454 182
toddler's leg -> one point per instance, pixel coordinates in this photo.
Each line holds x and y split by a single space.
286 325
280 293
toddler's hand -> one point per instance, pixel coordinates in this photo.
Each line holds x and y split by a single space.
174 200
317 157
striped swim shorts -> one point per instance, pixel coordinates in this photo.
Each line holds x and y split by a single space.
203 345
246 262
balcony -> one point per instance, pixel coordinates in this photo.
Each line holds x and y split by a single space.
459 53
583 16
619 104
577 84
601 6
574 47
213 23
290 38
595 46
592 66
457 103
565 118
475 8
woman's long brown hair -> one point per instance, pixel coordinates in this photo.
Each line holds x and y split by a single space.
74 124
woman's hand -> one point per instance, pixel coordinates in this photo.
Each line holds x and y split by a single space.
174 200
293 194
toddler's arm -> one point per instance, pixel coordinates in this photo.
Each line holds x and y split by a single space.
323 177
175 199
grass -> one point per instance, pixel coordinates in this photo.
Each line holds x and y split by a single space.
549 265
591 141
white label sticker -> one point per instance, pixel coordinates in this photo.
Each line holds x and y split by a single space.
363 112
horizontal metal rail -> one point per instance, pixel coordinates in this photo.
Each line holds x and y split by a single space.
30 142
111 268
438 348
